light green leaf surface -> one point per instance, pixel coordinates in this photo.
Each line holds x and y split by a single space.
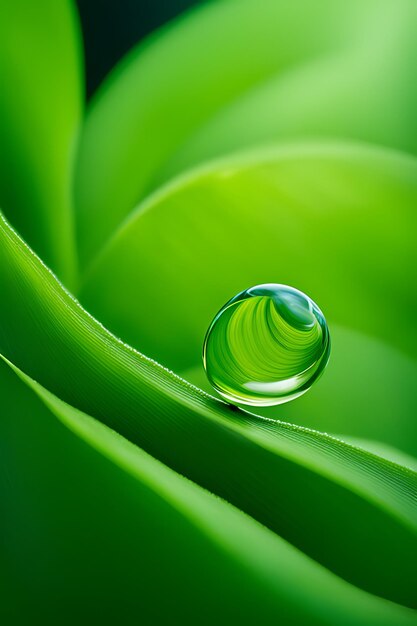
171 84
361 510
316 69
336 221
366 92
117 496
40 109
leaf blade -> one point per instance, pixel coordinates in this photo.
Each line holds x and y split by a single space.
145 110
335 220
278 581
214 444
41 107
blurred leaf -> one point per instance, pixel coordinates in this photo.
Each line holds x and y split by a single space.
158 530
361 510
337 222
40 107
167 87
366 92
314 69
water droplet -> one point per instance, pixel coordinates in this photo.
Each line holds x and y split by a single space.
266 346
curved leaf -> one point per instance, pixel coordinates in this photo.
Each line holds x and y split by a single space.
167 87
367 393
336 221
104 491
40 107
361 510
366 92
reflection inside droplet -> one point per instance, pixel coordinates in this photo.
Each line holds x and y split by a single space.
267 345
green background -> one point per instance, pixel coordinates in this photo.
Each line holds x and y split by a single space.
245 142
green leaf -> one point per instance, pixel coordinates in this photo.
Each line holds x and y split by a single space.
105 492
367 393
40 108
386 451
323 69
364 92
170 85
336 221
361 510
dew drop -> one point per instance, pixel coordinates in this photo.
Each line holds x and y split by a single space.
266 346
